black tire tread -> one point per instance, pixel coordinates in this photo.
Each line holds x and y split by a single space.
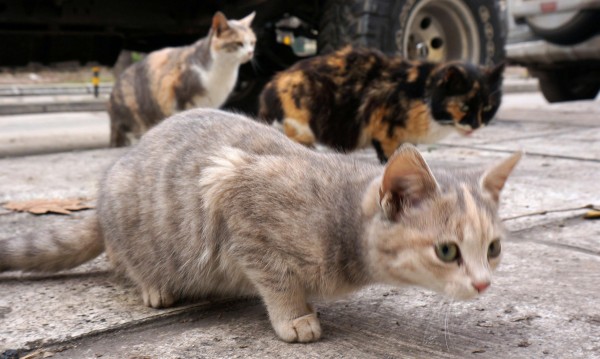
352 22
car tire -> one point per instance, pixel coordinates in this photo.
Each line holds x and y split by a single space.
567 85
580 27
392 27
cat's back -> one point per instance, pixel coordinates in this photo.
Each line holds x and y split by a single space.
207 130
163 65
343 62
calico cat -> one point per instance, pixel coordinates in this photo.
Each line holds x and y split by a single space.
357 97
213 203
175 79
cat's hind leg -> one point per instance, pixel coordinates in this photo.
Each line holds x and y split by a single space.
153 294
157 298
118 137
298 131
295 107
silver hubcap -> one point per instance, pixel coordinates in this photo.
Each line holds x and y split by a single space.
440 30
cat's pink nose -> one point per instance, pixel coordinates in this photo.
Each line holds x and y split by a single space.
481 286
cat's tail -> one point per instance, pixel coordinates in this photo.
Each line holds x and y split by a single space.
54 250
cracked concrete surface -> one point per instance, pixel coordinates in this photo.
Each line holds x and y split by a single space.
544 302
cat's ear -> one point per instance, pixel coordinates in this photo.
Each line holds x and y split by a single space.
454 78
247 21
407 180
493 179
494 74
219 23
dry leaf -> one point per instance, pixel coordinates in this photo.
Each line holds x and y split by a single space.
38 355
41 206
592 214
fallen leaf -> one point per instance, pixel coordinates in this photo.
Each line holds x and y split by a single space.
41 206
527 318
38 355
484 324
592 214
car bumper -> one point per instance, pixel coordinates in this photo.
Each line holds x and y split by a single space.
542 52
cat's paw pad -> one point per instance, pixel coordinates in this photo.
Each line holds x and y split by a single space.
157 298
303 329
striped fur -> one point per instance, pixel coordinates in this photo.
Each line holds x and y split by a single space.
359 97
179 78
213 203
59 249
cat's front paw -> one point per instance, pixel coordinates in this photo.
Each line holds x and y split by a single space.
303 329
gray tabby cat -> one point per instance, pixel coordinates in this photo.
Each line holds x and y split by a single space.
179 78
213 203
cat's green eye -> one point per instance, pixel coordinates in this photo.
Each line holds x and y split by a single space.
494 249
487 108
447 252
239 44
465 108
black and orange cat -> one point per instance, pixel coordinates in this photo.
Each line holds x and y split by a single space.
356 97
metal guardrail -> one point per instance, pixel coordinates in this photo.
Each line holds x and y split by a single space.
91 105
60 89
81 103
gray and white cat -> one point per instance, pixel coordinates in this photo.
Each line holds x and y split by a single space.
179 78
213 203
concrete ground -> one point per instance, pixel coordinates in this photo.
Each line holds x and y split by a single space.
544 301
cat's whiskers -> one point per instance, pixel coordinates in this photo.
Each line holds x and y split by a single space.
436 310
495 92
255 64
446 324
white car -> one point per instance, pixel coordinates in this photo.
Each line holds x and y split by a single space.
559 42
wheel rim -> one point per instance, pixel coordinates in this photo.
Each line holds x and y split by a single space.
440 30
